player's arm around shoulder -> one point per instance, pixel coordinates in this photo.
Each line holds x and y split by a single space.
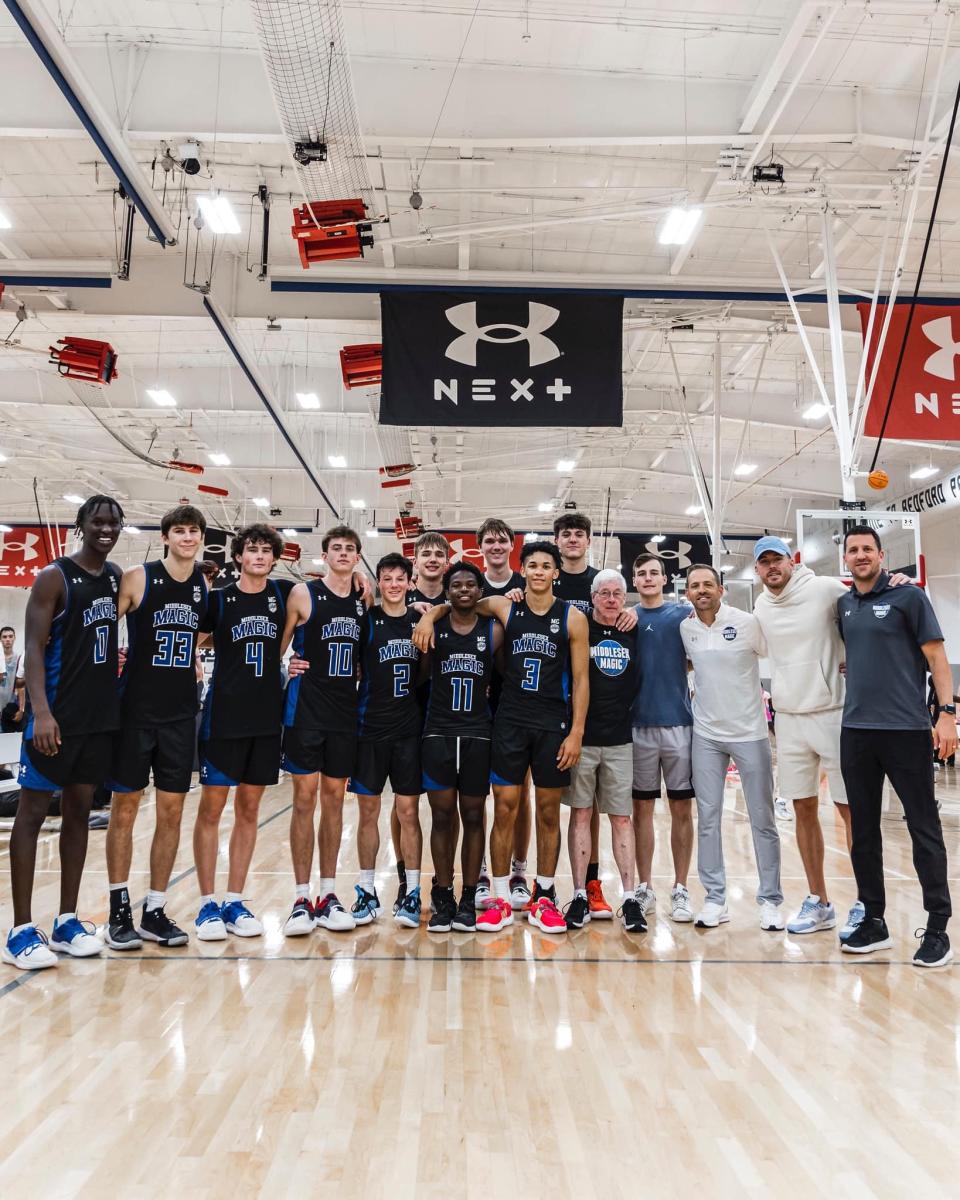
299 607
133 584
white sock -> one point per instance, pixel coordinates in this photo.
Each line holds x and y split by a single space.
581 892
326 886
413 880
302 892
232 897
545 882
63 918
368 881
518 866
207 900
501 887
116 887
627 893
155 900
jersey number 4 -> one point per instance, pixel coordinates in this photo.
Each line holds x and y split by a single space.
531 675
254 657
174 648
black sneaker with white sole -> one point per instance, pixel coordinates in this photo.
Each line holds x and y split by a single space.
156 926
401 896
871 934
577 912
445 910
632 916
120 933
934 948
465 918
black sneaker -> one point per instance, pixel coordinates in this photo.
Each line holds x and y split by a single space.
465 918
632 916
120 933
577 912
401 896
934 948
156 926
871 934
409 911
445 911
437 894
540 893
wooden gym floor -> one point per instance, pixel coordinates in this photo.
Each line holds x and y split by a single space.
388 1063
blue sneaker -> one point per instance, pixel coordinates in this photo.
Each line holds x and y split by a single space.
209 923
409 911
73 937
366 908
240 920
813 916
28 950
854 921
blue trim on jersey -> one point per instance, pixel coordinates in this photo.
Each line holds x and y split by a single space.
358 789
30 777
213 776
293 686
431 785
499 781
113 786
291 766
363 692
565 677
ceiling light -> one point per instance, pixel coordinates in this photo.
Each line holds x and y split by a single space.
924 472
565 464
727 566
308 399
289 532
745 469
814 412
658 460
161 397
679 226
786 538
372 533
218 214
260 501
72 498
3 458
531 536
6 529
337 461
659 537
219 459
694 510
545 505
5 222
358 504
131 529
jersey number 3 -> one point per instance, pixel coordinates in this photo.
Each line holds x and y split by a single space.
531 675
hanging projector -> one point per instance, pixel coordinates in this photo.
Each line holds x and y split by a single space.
309 152
771 172
190 158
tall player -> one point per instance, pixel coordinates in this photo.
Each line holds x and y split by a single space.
320 724
71 668
455 755
164 602
240 728
545 642
389 728
496 540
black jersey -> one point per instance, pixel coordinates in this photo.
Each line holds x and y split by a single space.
388 705
415 596
325 698
575 589
460 674
80 658
536 677
498 589
614 682
159 679
245 696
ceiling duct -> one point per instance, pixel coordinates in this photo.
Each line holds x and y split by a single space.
305 53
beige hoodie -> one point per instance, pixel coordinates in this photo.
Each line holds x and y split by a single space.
803 642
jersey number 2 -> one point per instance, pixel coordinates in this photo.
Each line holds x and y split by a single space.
401 680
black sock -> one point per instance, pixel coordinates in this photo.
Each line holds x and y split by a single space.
469 894
118 898
401 870
593 872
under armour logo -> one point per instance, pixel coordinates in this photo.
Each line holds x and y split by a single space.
26 547
941 362
680 554
540 317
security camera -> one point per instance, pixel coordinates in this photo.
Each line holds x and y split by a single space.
190 158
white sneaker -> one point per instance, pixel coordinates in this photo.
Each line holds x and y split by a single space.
300 921
483 897
209 923
680 908
72 937
519 893
813 916
28 950
647 899
330 914
712 915
782 809
771 917
238 919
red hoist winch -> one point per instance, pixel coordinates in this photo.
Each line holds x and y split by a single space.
85 359
325 230
362 366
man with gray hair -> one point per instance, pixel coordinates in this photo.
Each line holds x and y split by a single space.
606 755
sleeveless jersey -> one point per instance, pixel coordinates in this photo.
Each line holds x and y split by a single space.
536 678
415 596
388 705
498 589
325 698
575 589
245 696
460 676
159 679
80 658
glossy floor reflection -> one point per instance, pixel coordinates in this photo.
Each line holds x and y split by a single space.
390 1062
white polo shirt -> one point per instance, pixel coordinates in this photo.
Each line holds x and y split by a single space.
727 697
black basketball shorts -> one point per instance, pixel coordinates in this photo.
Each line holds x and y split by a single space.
168 750
377 762
517 749
462 763
306 751
81 758
226 762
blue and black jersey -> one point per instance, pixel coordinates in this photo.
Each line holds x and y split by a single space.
325 698
460 674
536 678
388 705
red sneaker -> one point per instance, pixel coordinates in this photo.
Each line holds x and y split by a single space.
496 917
600 910
546 916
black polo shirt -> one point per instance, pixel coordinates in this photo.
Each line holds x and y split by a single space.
886 670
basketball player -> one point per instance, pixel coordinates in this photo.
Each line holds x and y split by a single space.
164 603
240 727
455 754
893 639
496 540
602 776
389 729
725 644
662 736
545 641
324 619
71 666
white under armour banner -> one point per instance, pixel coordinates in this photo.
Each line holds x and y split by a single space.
501 359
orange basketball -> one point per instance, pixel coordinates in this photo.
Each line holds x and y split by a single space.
878 480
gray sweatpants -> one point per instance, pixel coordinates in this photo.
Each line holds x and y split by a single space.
753 761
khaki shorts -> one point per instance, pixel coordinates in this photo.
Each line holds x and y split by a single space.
807 745
604 772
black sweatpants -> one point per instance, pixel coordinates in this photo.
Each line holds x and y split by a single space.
903 756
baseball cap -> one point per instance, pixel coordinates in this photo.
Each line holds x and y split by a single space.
777 545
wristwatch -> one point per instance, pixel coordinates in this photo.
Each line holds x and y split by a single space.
948 708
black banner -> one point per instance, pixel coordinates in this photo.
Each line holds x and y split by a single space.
501 359
678 551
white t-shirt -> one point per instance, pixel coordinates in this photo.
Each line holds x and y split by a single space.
727 697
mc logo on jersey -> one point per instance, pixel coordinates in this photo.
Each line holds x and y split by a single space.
540 349
554 624
196 594
272 603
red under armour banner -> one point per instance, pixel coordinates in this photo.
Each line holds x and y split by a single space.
501 359
27 549
926 404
